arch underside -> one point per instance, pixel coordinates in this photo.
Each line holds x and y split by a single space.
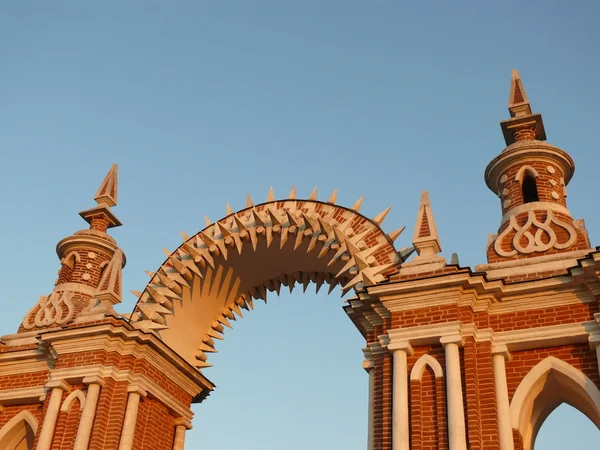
19 432
548 385
212 276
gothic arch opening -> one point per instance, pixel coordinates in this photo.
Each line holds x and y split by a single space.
19 432
549 384
529 189
214 275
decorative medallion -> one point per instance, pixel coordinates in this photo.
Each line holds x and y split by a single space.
54 310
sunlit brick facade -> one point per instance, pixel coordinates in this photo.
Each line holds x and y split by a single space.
458 358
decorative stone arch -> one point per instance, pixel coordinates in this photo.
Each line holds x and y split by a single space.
547 385
525 170
73 396
426 360
214 274
19 432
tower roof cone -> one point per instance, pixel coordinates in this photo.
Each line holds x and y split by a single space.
101 217
523 124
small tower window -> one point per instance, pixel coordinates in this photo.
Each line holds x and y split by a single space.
529 187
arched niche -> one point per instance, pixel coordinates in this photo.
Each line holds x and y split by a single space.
547 385
426 360
19 432
213 275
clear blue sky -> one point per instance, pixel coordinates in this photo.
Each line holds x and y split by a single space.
201 103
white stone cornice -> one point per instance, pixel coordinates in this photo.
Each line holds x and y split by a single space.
548 336
424 334
111 338
24 361
403 346
20 396
452 339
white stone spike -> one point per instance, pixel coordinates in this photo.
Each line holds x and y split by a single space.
332 285
357 204
313 194
271 195
222 319
273 216
379 218
292 195
249 202
167 252
202 365
214 334
394 234
150 274
333 198
207 348
228 210
318 283
207 221
290 282
184 236
138 294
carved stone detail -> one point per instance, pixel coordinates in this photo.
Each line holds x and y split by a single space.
540 236
57 309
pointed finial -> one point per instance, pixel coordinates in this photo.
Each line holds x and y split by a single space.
107 193
101 218
313 194
207 221
518 103
228 210
109 288
271 195
425 238
249 202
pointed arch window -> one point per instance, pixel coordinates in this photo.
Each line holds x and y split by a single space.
529 189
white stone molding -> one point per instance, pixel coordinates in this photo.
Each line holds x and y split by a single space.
75 395
400 414
548 336
22 396
14 431
419 367
534 206
540 235
505 435
457 438
146 346
547 385
23 361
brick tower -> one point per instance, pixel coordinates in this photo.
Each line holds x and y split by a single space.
460 358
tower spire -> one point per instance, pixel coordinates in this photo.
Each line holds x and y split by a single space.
523 124
425 238
101 217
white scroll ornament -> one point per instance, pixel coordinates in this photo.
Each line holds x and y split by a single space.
540 236
57 309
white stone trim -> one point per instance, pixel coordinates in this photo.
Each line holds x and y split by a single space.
24 416
419 367
21 396
548 336
75 375
521 173
534 206
531 386
76 394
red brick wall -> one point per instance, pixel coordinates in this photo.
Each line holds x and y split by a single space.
155 427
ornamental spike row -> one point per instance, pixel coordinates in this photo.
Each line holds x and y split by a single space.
357 265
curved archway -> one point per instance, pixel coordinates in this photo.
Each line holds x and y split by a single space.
426 360
550 383
214 274
19 432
